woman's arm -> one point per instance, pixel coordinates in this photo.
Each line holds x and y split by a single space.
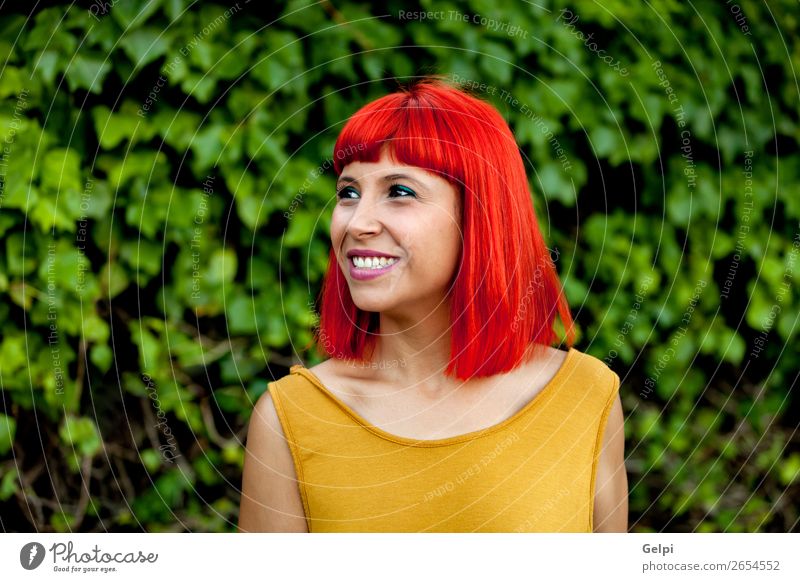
611 485
271 499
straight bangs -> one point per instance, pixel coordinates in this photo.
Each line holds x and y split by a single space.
506 293
411 133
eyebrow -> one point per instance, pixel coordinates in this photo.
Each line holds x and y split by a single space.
387 178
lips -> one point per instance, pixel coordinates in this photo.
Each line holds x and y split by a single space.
365 274
368 253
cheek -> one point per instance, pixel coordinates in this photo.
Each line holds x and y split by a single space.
450 238
439 244
451 249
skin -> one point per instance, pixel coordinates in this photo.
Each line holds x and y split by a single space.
611 485
424 232
409 218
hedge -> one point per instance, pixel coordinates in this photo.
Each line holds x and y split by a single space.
166 199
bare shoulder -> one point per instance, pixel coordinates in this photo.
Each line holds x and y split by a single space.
330 369
593 366
335 374
552 358
542 366
325 370
611 484
271 500
335 367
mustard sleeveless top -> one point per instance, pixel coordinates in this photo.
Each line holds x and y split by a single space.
533 472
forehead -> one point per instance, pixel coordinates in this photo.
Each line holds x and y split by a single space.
383 165
386 165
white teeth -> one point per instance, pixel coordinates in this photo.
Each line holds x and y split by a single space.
372 262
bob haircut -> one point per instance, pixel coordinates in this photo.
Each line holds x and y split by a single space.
506 292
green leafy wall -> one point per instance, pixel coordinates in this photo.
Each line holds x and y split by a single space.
165 205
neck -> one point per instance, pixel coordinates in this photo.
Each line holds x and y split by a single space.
414 351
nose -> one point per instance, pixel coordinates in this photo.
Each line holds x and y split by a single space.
366 218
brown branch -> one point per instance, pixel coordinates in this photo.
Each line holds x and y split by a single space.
339 18
149 426
80 370
285 361
129 490
121 452
211 427
24 501
83 501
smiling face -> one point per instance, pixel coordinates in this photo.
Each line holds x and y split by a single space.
400 212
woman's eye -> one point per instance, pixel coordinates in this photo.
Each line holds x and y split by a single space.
343 193
395 191
403 191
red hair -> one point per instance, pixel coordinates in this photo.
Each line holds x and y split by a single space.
506 292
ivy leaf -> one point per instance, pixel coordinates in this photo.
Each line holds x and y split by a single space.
132 13
301 228
145 45
82 433
87 72
222 266
114 279
8 427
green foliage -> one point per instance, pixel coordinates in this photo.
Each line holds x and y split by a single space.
164 219
8 427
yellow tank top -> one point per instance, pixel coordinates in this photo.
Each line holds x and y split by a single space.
533 472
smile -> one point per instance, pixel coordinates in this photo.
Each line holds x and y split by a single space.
372 262
363 268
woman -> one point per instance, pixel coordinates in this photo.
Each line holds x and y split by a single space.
442 406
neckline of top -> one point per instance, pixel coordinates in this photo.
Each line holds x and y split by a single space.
531 404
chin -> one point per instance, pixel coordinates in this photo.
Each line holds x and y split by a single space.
376 305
